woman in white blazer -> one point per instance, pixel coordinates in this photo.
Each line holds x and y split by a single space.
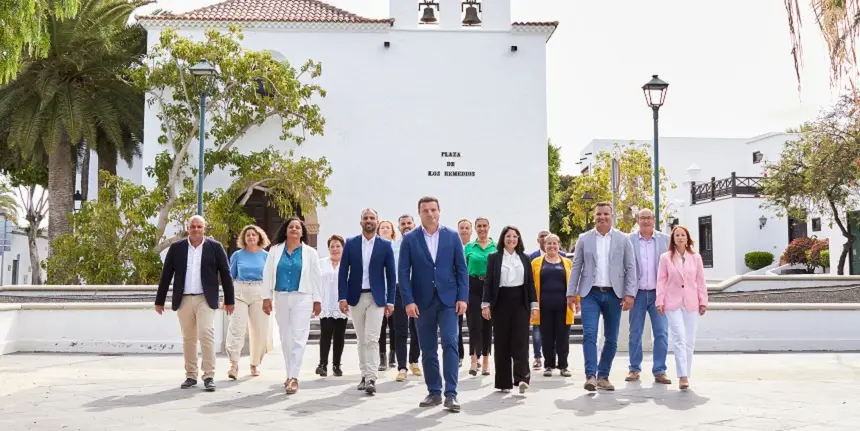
292 276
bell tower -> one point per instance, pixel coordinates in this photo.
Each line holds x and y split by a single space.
496 14
451 14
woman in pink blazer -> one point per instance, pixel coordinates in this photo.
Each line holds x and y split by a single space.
682 296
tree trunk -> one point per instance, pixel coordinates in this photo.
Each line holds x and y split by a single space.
85 174
846 248
107 162
32 235
61 184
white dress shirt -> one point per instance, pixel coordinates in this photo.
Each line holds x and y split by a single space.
366 253
432 241
193 282
603 243
330 306
513 273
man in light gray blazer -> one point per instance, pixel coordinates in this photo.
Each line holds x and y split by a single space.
648 245
602 283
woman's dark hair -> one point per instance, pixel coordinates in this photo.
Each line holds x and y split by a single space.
520 248
337 238
281 236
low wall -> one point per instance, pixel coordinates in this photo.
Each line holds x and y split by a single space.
751 283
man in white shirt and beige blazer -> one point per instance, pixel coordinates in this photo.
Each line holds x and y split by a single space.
602 283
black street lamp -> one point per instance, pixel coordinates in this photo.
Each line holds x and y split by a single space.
202 70
655 95
78 201
587 199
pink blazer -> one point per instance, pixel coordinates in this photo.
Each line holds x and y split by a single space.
677 287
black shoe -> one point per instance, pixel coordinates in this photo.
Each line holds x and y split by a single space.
392 360
452 404
362 385
321 371
461 363
370 387
382 364
188 383
431 401
336 371
209 384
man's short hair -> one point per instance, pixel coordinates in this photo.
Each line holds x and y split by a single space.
604 204
369 209
195 217
403 217
428 199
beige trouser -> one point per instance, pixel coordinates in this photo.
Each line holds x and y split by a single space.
367 320
248 316
197 321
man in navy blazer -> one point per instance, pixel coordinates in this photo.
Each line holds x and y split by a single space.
434 284
366 282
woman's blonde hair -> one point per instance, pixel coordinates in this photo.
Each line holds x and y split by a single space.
263 241
552 237
393 230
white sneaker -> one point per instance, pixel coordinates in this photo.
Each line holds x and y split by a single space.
523 387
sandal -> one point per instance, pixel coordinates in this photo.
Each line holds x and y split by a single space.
234 370
254 371
291 386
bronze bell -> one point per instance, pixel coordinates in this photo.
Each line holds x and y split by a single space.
471 16
429 16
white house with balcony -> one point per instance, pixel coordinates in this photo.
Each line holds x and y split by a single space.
442 98
718 197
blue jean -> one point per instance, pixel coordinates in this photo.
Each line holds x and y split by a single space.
645 303
536 340
595 304
438 315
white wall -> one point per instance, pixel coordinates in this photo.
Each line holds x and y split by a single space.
21 250
391 112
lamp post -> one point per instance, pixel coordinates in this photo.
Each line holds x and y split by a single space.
201 70
587 198
79 199
655 95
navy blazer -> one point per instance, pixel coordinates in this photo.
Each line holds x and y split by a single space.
421 278
213 262
382 272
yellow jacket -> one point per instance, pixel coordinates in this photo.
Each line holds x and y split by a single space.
536 264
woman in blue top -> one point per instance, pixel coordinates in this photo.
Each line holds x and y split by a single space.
246 267
292 276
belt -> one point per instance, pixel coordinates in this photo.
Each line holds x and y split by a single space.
602 288
478 277
365 290
191 294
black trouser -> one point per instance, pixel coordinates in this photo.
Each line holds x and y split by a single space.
555 337
331 328
404 329
511 330
389 323
460 348
480 329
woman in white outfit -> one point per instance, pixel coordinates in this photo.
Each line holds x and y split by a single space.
683 296
246 268
332 320
292 275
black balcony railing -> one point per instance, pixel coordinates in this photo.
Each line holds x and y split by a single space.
732 187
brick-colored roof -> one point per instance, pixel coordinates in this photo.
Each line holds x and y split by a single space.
270 11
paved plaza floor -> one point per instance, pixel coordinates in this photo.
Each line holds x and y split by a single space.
791 391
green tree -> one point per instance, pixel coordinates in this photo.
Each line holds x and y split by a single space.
635 190
818 172
76 95
25 25
235 105
559 198
554 162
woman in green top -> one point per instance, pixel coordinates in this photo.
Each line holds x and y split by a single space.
480 329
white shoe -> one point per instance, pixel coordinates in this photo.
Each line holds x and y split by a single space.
523 387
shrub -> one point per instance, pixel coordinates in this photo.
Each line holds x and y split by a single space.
795 252
755 260
824 259
818 246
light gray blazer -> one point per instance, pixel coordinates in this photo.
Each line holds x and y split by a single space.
622 265
662 247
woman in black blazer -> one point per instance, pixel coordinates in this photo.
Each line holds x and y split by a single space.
511 301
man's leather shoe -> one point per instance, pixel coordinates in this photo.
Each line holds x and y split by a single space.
452 404
431 401
188 383
590 384
603 383
662 379
370 387
362 385
209 384
632 376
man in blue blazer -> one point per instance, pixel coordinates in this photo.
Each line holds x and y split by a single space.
434 284
366 282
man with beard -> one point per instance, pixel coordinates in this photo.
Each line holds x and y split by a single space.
366 283
404 326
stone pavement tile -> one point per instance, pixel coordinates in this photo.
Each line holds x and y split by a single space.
763 424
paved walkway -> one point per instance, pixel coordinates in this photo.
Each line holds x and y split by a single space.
764 392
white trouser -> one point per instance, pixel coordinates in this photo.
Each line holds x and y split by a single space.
682 328
248 316
367 320
293 313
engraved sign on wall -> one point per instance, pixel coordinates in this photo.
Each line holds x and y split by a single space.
451 158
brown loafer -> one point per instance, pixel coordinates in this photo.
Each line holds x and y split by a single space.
632 376
662 379
603 383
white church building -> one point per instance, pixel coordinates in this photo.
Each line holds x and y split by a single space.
408 97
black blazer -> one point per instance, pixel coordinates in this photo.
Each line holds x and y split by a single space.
494 275
212 263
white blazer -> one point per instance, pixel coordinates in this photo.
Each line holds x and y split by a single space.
311 277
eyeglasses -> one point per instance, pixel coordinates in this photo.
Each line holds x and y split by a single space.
646 218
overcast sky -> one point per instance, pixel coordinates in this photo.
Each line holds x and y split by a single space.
728 65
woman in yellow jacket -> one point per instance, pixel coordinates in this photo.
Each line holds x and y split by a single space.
551 272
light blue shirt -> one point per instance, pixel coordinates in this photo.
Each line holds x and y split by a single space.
647 264
289 271
248 266
396 246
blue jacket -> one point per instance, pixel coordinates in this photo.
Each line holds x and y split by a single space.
421 278
382 272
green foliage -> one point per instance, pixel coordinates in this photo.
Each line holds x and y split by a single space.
635 189
113 240
814 254
554 171
26 26
756 260
805 251
824 259
818 172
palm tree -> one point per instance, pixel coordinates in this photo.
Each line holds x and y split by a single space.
77 94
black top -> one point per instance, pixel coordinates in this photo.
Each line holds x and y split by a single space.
553 286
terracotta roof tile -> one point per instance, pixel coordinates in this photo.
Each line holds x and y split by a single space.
270 11
539 23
